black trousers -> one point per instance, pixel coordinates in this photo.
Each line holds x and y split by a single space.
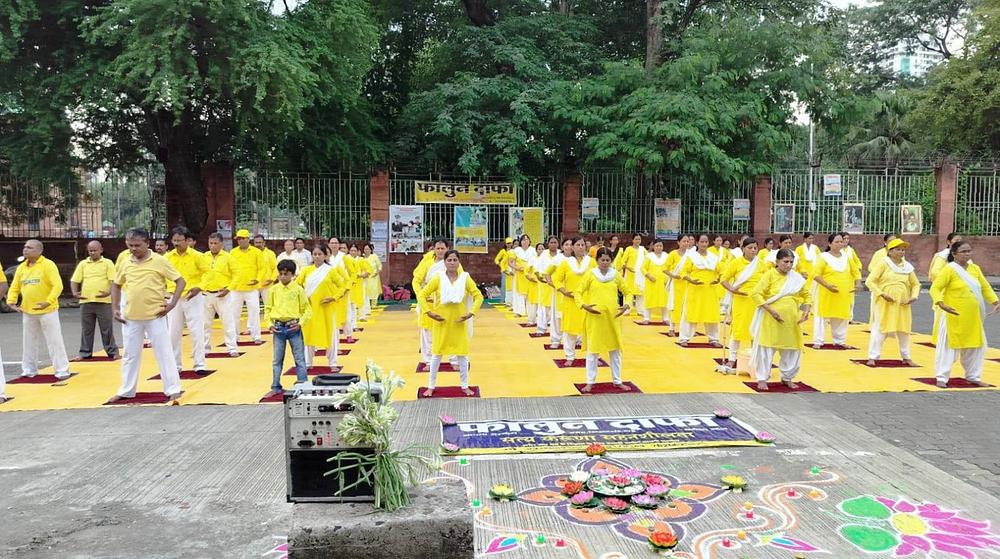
91 315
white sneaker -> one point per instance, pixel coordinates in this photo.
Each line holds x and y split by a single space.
234 353
26 375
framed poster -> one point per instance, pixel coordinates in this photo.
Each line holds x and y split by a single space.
591 208
527 221
912 218
380 238
741 209
406 229
224 227
784 218
667 218
854 219
470 229
832 186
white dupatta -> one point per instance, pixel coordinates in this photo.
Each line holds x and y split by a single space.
452 293
671 297
606 277
794 282
810 253
942 254
906 268
578 267
707 262
640 259
316 278
973 285
838 264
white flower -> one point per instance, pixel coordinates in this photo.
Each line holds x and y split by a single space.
579 476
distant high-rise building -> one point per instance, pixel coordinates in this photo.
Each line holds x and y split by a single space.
911 59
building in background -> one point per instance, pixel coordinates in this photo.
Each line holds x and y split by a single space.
911 59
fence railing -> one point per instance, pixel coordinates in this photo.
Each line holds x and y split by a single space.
978 209
288 205
536 192
101 204
880 195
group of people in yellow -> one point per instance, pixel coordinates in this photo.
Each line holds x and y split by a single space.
155 293
764 294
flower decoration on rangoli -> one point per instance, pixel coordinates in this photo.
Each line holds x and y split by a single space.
882 524
688 502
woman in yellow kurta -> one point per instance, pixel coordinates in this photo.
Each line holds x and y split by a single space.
630 264
676 286
701 301
361 273
724 256
597 295
558 300
655 293
938 262
422 275
837 278
894 287
323 287
373 285
446 292
740 276
531 276
337 261
782 301
546 294
962 293
520 258
566 280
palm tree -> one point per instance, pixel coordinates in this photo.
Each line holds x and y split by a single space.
883 137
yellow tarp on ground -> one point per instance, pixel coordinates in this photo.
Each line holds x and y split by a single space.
506 362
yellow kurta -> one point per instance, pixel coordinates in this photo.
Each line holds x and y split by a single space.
779 335
724 257
830 304
803 265
877 257
893 316
566 278
358 287
543 268
655 293
627 259
966 329
520 266
319 330
701 302
743 306
937 264
451 337
373 285
531 277
340 307
603 332
678 286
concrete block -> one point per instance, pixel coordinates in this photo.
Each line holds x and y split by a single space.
436 525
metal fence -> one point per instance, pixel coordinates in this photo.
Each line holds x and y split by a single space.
101 204
978 209
877 202
288 205
535 192
626 203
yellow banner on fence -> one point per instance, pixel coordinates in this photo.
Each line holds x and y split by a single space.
434 192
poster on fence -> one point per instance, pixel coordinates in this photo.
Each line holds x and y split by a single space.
784 218
667 218
591 208
380 238
437 192
741 209
527 221
912 219
224 227
406 230
832 186
854 219
471 232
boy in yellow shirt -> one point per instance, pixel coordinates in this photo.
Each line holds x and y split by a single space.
287 308
38 284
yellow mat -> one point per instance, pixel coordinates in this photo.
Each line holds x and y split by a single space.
506 362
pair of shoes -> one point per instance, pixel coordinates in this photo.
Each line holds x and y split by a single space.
234 353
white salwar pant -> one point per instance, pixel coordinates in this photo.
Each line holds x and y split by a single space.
156 331
569 344
519 305
639 302
647 315
425 345
789 361
555 335
252 300
351 320
688 330
542 317
877 339
37 329
532 309
221 306
838 331
461 361
192 313
614 359
972 358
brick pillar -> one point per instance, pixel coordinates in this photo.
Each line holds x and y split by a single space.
571 205
379 205
760 209
946 184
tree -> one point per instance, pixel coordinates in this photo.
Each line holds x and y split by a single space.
936 25
883 136
181 82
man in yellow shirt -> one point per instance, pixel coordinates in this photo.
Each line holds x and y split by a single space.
247 263
287 309
91 284
269 273
502 261
38 284
215 287
144 278
3 380
190 309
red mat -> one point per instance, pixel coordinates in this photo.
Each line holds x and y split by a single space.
448 392
346 341
780 388
276 399
526 325
141 398
608 388
676 335
956 382
245 343
558 348
831 347
577 363
322 352
721 361
445 367
994 360
883 363
539 334
38 379
698 345
189 375
222 355
94 358
651 323
313 371
927 344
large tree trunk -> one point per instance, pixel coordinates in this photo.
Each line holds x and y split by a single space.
479 12
184 186
654 34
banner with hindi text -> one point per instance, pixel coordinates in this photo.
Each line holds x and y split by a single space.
437 192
